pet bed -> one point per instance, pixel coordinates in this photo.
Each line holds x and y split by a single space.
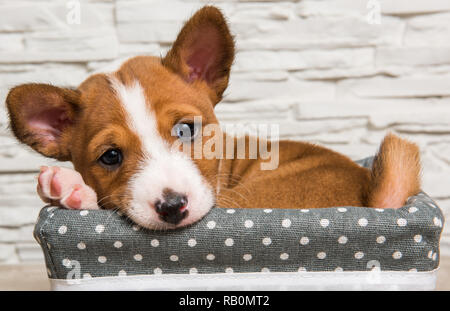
343 248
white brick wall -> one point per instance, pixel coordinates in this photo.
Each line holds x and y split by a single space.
317 67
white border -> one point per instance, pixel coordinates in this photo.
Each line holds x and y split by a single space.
347 280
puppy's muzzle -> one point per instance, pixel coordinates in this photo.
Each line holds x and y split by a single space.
174 207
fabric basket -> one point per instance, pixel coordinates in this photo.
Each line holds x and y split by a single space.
353 248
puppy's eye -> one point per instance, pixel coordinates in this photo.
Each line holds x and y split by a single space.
111 159
186 132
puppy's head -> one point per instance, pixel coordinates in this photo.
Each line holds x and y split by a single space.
124 131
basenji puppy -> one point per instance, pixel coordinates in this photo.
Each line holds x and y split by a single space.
124 133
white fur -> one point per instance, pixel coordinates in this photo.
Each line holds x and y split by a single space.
162 166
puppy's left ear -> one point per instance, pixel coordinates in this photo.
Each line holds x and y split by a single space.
204 52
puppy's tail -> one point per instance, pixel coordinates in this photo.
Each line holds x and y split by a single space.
395 174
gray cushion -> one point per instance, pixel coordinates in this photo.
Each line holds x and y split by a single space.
104 243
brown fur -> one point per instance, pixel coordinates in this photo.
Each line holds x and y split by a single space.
308 176
395 174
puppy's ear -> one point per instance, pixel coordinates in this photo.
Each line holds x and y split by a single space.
42 116
204 51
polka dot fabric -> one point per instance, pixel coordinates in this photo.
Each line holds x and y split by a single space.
104 243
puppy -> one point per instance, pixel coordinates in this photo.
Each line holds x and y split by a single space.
125 134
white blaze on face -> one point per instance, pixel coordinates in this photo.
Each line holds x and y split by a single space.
162 166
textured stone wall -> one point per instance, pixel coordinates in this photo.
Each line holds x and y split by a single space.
326 71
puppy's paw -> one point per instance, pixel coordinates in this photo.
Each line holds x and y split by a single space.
65 187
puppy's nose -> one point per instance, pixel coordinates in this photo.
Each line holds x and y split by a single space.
173 208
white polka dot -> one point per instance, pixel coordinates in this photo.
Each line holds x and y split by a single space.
229 242
338 269
247 257
49 209
118 244
342 209
304 240
437 221
173 258
81 245
99 228
211 224
84 213
342 239
304 210
135 228
286 223
231 211
412 209
193 271
402 222
430 254
87 276
66 263
381 210
122 273
418 238
265 270
154 243
412 270
229 270
284 256
157 271
434 256
363 222
192 242
321 255
101 259
301 269
324 222
210 257
137 257
267 211
248 224
359 255
62 229
267 241
381 239
397 255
